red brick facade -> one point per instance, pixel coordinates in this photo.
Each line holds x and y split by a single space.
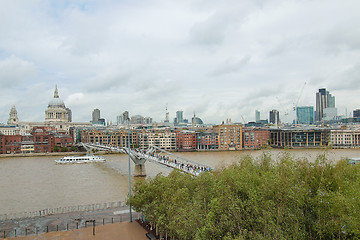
41 140
186 140
254 138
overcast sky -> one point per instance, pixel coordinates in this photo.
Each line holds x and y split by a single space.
219 59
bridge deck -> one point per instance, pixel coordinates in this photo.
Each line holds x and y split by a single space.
174 161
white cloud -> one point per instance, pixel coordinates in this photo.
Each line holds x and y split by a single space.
14 72
218 59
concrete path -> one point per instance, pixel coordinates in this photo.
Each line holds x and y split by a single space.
62 222
116 231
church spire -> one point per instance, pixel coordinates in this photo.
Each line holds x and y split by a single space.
13 118
56 94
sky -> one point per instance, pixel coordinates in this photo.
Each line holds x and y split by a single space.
218 59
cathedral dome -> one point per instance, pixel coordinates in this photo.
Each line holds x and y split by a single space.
56 110
56 102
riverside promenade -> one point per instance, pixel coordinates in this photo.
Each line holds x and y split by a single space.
116 231
74 225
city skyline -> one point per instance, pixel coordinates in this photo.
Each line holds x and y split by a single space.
220 60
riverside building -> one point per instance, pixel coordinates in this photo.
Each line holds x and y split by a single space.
255 138
298 138
230 136
345 138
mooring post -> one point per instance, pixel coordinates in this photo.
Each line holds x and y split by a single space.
67 227
94 227
47 228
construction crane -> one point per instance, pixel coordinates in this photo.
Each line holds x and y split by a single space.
243 119
297 102
281 109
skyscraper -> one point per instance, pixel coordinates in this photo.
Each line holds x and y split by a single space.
95 115
96 118
179 117
274 117
305 115
257 116
323 100
356 113
125 117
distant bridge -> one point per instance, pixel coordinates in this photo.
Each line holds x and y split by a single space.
156 155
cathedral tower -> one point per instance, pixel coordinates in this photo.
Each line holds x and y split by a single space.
57 111
13 118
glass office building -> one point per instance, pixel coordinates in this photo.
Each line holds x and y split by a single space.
305 115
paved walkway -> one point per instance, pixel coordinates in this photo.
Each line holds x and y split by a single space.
116 231
61 222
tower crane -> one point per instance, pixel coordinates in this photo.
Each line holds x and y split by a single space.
297 102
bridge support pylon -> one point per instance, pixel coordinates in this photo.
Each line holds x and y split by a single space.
139 170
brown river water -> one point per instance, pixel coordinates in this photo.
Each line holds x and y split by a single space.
35 183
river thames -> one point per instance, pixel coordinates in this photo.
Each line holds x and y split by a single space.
35 183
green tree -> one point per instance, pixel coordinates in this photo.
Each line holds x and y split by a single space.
64 149
256 199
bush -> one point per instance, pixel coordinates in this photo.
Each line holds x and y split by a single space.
264 199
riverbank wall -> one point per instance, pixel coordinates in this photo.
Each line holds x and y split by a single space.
50 154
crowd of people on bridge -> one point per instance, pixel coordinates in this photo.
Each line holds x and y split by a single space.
174 163
187 167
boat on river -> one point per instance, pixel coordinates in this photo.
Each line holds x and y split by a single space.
80 159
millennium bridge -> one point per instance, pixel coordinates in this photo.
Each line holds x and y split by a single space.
153 154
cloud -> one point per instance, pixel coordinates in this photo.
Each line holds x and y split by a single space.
218 59
15 71
231 65
348 80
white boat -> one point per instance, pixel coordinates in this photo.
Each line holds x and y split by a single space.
81 159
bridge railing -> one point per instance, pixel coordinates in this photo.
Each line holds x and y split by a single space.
59 210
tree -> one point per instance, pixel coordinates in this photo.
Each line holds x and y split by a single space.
56 149
263 199
64 149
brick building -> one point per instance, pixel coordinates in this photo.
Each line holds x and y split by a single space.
41 140
255 138
116 138
207 141
186 140
163 139
230 136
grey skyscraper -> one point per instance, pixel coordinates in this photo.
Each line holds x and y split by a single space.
95 115
323 100
257 116
179 117
125 117
356 113
274 117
